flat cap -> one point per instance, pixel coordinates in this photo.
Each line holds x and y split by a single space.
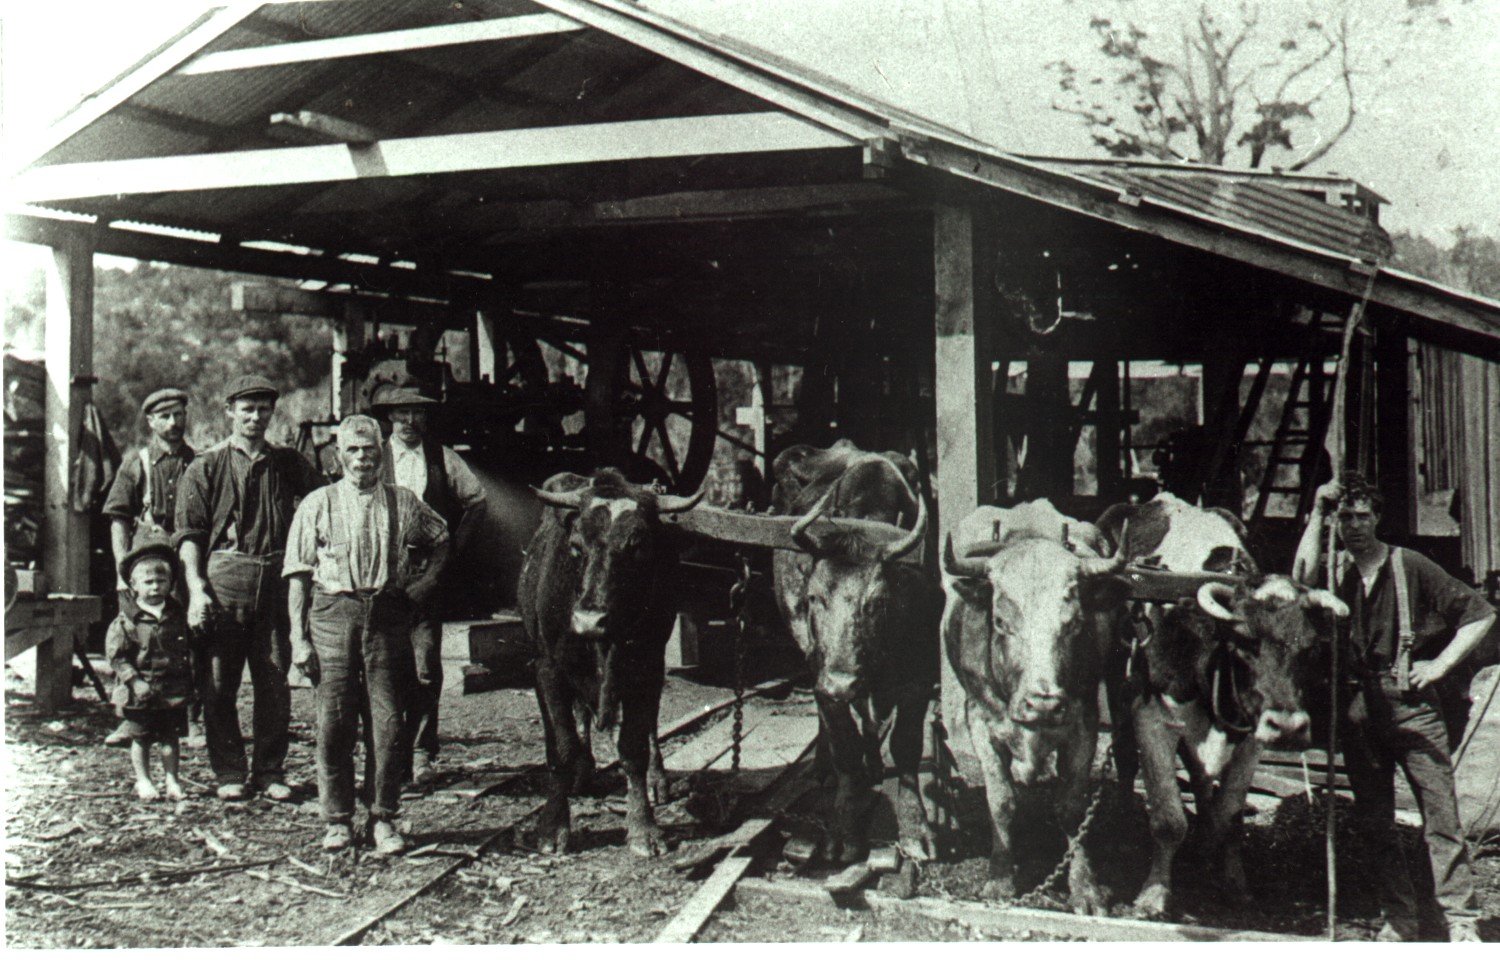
149 550
163 398
243 385
398 396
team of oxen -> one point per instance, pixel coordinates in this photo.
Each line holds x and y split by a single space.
1033 611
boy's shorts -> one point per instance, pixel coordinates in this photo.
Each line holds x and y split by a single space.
155 724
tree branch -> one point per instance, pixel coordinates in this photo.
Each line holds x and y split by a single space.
1351 109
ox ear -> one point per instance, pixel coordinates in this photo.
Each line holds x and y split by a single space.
1103 593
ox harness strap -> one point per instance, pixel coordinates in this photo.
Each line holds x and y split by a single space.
1405 637
1226 682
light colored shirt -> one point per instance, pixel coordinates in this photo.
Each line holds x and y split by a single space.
410 469
342 537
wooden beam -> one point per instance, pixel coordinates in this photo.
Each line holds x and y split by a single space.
69 343
387 42
434 154
311 126
1475 319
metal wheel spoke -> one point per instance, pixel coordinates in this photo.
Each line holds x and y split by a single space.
645 442
640 367
668 455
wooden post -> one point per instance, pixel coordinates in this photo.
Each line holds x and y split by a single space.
1393 429
964 253
483 350
1109 468
70 358
350 335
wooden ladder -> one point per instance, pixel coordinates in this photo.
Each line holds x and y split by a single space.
1298 442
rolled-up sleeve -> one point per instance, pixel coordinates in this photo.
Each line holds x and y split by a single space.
301 556
424 528
124 501
194 505
461 479
1458 603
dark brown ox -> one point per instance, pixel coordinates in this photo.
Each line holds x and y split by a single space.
867 623
597 612
1030 613
1214 680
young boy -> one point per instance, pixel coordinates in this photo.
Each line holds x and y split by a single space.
148 649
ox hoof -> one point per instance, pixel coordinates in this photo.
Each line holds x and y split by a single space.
647 841
1090 902
1152 903
1234 894
583 777
842 851
999 889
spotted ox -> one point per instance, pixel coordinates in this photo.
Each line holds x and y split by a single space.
1212 681
1030 615
867 623
596 611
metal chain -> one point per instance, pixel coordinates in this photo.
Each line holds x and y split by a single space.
1076 840
739 601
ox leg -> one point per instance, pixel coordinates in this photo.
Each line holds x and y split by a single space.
994 761
1073 799
656 773
917 838
846 747
584 766
1158 756
564 752
637 729
1225 818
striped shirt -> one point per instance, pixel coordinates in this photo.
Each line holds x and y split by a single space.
343 538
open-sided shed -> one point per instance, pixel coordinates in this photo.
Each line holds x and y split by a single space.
591 175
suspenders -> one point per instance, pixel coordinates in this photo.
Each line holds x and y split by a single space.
338 527
1405 636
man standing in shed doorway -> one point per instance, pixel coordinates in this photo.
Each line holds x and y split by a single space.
234 508
441 478
142 504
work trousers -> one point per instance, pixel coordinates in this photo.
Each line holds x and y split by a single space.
363 644
251 629
427 688
1408 732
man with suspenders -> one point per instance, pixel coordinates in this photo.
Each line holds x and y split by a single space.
439 476
361 555
143 500
1410 625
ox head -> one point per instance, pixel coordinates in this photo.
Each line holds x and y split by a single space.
1278 630
854 597
615 542
1051 606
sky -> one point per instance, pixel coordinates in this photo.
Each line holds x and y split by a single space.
1427 139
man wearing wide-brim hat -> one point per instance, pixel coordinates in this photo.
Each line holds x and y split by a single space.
142 502
436 473
234 508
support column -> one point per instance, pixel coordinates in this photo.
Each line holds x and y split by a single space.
1393 429
963 262
69 343
482 351
350 335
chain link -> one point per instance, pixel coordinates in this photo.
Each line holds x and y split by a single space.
739 601
1076 840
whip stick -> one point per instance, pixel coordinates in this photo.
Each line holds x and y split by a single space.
1334 444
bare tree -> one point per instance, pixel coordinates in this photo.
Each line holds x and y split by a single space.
1215 84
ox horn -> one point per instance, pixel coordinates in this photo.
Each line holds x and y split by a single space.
1323 599
680 503
799 532
909 542
559 500
1109 565
968 567
1212 599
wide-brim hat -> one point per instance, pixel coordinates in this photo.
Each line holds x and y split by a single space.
399 396
149 550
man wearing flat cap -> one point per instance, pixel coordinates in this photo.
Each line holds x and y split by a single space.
142 502
441 478
234 508
362 554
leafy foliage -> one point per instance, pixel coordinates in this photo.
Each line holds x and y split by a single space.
160 325
1224 87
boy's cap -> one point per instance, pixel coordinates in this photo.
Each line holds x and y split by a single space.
149 550
244 385
163 398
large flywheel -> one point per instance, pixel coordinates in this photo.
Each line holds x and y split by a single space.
653 413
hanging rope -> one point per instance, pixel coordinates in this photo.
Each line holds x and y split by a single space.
1334 443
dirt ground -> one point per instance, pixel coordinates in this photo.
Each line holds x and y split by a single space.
71 816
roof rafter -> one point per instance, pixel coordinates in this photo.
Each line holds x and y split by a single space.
441 154
389 42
